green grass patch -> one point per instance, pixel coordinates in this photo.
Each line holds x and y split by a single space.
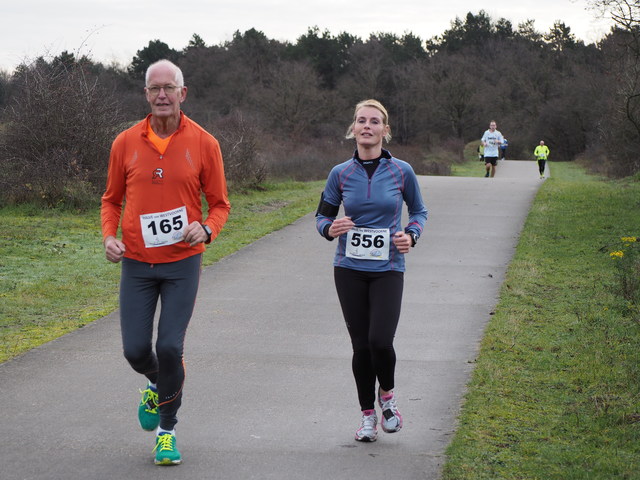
54 277
472 167
468 169
555 393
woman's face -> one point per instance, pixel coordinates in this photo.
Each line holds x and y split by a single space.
369 128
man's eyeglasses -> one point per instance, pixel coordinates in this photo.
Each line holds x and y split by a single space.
168 89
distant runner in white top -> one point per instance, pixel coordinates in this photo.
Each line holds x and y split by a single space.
492 139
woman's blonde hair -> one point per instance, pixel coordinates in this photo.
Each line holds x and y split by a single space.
378 106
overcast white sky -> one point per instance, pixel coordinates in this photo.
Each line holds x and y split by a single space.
114 30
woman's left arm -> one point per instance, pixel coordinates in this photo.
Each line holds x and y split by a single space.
413 198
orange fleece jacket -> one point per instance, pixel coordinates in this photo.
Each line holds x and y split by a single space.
152 182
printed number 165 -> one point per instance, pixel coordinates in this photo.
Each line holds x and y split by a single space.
166 226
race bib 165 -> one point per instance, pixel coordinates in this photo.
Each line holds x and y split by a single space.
163 228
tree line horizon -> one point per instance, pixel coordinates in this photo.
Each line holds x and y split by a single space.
283 107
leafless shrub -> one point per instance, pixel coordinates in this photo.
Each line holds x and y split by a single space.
304 161
600 161
454 146
244 167
312 160
55 145
435 161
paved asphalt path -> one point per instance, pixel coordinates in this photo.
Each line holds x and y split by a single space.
269 391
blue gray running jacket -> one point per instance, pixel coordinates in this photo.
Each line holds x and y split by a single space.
372 203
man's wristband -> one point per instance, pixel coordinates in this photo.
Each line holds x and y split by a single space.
208 231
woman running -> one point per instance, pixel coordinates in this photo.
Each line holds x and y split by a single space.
369 261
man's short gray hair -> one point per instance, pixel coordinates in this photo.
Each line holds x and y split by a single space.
179 78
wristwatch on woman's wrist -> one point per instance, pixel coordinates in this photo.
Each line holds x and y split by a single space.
414 239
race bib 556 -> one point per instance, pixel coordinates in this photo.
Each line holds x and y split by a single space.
368 243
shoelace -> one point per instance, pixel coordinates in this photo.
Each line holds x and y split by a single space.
368 421
165 442
150 399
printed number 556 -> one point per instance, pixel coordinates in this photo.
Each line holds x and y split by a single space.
367 240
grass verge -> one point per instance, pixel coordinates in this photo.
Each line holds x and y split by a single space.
473 168
556 388
54 277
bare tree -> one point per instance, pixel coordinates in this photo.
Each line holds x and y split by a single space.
455 87
625 117
293 100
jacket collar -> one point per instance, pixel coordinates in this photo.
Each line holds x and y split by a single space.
385 154
145 123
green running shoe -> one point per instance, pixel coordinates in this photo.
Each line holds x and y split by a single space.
166 450
148 414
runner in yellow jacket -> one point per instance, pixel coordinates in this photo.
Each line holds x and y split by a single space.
541 153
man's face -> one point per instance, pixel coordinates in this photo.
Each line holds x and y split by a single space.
164 103
492 126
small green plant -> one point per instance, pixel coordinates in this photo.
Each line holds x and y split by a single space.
627 265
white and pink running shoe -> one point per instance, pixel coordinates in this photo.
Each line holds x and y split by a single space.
368 431
391 419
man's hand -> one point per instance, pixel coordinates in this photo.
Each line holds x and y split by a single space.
195 234
114 249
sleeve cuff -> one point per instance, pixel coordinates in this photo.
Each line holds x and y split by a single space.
325 232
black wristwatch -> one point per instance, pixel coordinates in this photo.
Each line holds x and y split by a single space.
208 231
414 239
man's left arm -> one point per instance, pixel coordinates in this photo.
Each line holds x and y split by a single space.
214 187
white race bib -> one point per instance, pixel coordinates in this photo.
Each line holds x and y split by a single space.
368 243
163 228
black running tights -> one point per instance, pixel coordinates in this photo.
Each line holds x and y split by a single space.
370 304
541 165
176 284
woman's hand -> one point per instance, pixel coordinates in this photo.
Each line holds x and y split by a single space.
341 226
402 241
